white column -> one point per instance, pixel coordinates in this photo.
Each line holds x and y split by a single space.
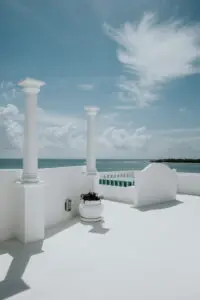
91 139
31 88
29 191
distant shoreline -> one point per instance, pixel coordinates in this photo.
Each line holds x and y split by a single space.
177 160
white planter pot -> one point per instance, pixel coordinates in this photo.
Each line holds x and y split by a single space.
91 211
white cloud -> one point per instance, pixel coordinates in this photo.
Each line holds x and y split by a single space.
48 118
170 146
86 87
153 53
65 136
58 134
9 117
120 138
8 91
177 131
15 132
9 110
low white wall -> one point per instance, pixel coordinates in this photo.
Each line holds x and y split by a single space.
189 183
60 184
116 193
157 183
7 202
70 182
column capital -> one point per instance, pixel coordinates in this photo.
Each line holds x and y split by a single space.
91 110
31 86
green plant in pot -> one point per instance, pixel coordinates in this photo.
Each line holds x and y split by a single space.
91 196
91 207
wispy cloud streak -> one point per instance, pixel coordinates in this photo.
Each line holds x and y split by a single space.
152 54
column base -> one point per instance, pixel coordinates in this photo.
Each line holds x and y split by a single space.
91 220
30 178
30 213
92 173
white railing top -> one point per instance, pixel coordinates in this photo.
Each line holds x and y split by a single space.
116 174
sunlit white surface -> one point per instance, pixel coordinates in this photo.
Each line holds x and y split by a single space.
152 253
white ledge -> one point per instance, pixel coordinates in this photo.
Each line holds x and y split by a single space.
91 109
32 83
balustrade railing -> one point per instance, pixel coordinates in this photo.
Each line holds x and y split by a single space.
117 174
117 178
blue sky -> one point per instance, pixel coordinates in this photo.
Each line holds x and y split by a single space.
137 60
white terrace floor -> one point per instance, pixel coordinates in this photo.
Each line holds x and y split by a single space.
149 254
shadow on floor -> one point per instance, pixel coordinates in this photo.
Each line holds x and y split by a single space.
61 227
13 283
21 253
97 227
158 206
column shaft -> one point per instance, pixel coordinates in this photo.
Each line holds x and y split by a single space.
30 160
91 144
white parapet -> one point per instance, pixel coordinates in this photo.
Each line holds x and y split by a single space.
30 212
156 183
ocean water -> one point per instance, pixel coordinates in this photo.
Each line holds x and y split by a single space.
103 165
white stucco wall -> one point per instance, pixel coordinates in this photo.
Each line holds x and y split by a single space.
69 182
60 184
7 203
116 193
156 183
189 183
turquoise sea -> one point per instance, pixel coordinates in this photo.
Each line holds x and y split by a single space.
102 164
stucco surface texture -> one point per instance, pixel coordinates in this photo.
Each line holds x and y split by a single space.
146 253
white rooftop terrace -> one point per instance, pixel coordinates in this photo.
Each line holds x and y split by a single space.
147 253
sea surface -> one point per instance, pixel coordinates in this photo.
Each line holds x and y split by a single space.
103 165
